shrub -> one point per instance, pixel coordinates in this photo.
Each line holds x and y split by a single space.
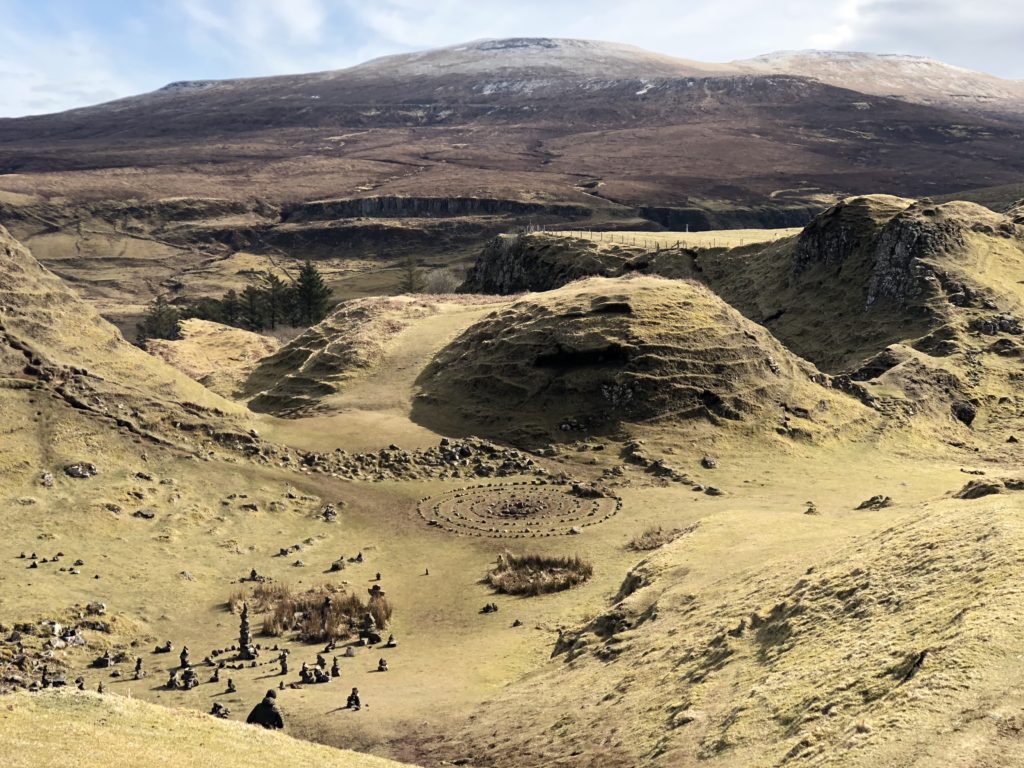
442 281
262 598
534 574
653 538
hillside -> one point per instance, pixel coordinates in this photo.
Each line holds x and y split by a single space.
713 460
112 731
913 78
74 389
894 648
678 447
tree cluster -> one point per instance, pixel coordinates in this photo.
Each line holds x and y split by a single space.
268 302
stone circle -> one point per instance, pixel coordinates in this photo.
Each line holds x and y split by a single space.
516 510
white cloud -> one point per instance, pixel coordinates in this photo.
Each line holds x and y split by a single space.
843 31
269 35
255 23
37 76
56 54
980 34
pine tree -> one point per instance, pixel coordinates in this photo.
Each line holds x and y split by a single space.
250 309
277 299
312 296
161 321
411 280
230 308
204 308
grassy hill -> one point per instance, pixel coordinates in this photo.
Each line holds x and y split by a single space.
110 731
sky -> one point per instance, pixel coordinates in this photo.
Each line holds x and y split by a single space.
59 54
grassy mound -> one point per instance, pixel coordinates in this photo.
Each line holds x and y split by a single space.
217 356
595 354
533 574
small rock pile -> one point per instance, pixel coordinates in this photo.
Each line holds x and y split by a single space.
27 648
634 453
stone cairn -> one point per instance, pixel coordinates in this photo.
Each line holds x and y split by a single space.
246 651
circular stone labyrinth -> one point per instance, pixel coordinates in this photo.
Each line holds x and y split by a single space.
522 510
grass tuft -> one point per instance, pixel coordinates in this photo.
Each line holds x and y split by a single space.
308 614
534 574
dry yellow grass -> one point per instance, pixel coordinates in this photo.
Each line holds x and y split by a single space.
721 238
949 567
531 575
218 356
88 730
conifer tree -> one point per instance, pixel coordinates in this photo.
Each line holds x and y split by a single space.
277 299
411 280
230 308
312 296
250 310
161 321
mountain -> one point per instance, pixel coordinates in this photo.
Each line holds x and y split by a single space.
912 78
556 57
430 154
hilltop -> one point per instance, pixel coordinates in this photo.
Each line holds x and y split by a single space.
914 78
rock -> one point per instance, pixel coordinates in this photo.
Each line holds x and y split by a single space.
96 609
876 502
976 489
144 514
575 530
964 412
587 491
709 462
46 480
1014 484
81 470
713 491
